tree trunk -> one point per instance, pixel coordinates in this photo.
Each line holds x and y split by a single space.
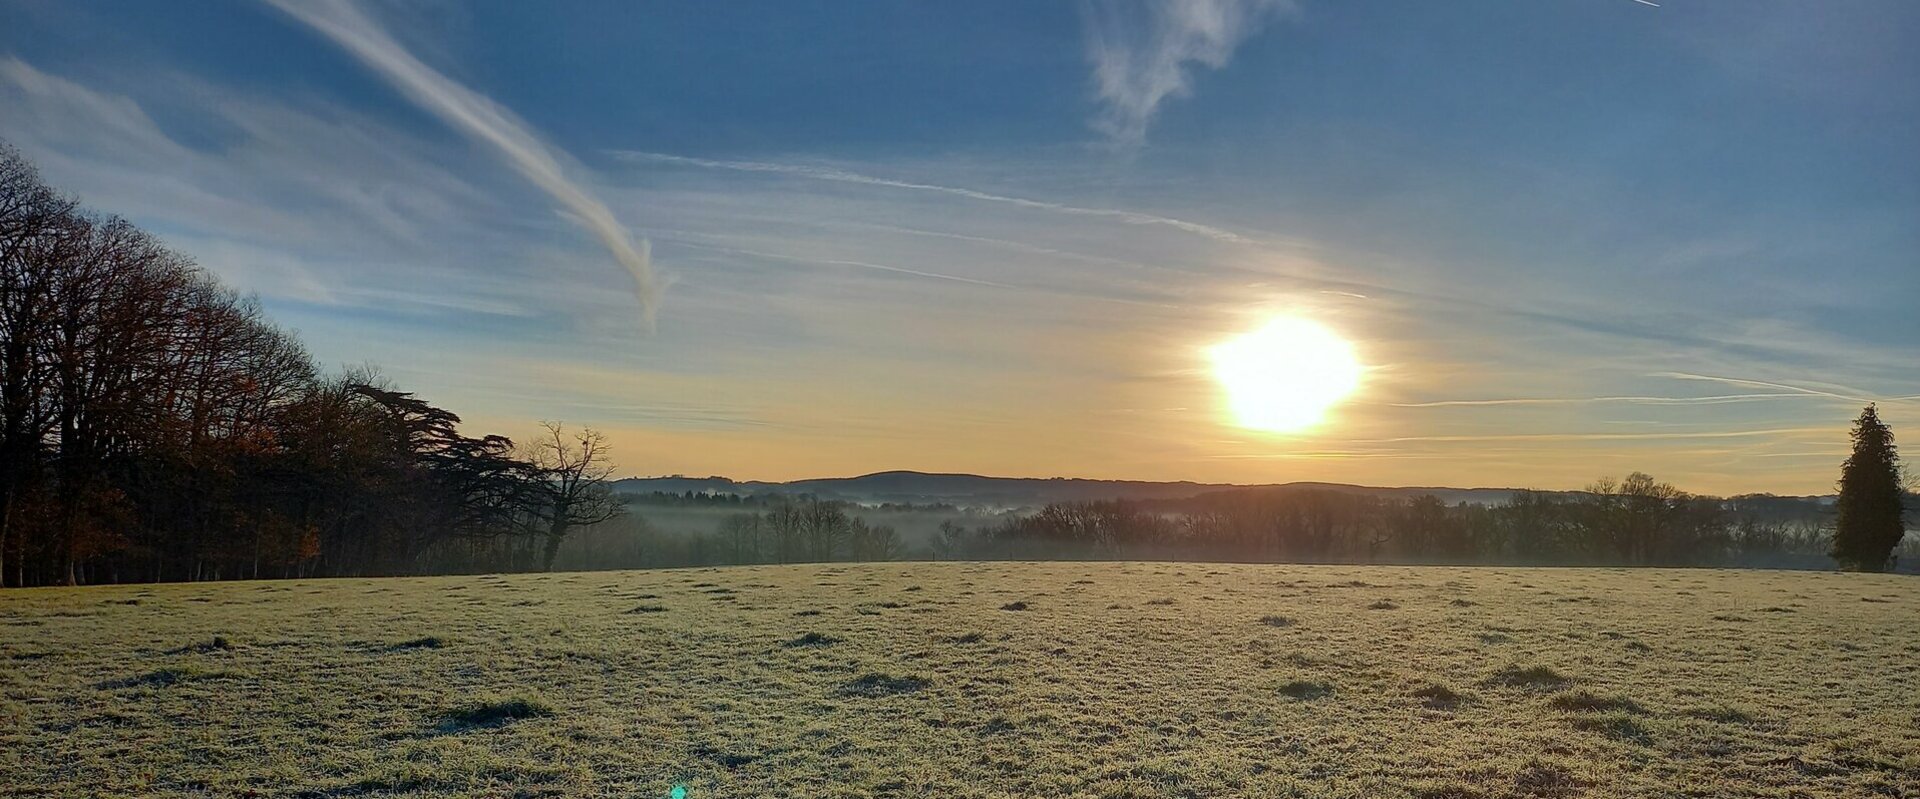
554 538
556 533
6 526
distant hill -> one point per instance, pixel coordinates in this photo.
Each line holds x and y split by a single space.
972 490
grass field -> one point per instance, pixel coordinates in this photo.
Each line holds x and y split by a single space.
972 679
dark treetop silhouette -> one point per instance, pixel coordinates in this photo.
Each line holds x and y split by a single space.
155 426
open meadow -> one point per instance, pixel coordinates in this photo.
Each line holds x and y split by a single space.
972 680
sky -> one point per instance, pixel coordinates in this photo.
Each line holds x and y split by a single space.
776 240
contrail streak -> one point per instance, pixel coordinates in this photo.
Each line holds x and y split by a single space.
1784 431
843 176
674 236
857 264
1715 400
1735 381
481 119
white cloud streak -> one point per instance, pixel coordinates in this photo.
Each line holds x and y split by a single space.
843 176
901 270
1781 431
482 119
1144 53
1854 396
1714 400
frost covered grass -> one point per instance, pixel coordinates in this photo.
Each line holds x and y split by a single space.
843 680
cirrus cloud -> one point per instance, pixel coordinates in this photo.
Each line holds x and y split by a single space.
1144 53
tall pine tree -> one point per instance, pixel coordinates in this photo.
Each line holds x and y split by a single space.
1870 521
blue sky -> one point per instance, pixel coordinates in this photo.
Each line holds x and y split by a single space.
1569 239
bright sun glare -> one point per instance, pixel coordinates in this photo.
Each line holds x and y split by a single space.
1283 376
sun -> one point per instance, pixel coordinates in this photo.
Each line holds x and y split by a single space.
1283 376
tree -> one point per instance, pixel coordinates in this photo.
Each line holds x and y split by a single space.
786 523
742 532
1641 521
154 424
871 541
34 221
1430 530
953 542
572 473
1870 516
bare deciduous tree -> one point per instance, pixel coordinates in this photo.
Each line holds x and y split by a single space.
573 473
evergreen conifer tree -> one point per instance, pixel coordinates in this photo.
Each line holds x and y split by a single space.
1869 523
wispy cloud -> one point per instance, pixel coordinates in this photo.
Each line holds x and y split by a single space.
842 176
1713 400
900 270
478 117
1852 395
1144 53
312 204
1782 431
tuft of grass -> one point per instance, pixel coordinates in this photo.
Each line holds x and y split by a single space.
1618 726
876 684
1384 604
1446 790
424 642
723 757
1534 677
1435 695
1014 606
219 643
1159 602
1546 780
813 639
1276 621
1304 690
649 609
174 675
495 713
1590 702
969 638
1721 714
998 725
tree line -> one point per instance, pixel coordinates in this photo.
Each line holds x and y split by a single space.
155 425
1638 521
804 529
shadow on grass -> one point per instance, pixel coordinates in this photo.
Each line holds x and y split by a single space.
491 714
